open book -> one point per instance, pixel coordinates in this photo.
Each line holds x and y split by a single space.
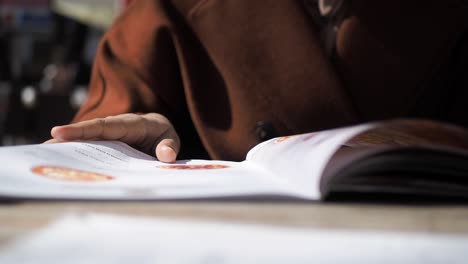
395 157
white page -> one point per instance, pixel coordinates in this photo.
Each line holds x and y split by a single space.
113 170
299 160
96 238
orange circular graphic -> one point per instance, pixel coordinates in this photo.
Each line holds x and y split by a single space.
67 174
281 139
194 166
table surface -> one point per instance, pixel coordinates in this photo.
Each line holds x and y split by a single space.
20 218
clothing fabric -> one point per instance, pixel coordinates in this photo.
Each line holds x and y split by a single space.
231 73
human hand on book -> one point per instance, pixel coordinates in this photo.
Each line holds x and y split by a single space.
151 133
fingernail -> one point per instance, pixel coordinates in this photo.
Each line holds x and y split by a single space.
166 154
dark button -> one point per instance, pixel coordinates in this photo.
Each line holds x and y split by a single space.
264 131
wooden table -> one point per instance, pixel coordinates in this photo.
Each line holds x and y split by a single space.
20 218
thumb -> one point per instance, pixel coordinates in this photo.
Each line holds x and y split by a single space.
167 150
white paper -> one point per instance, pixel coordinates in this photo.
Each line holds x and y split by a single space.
113 170
299 161
96 238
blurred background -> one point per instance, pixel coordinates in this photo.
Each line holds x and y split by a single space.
46 51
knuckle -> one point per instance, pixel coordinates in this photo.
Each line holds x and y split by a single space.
100 121
156 116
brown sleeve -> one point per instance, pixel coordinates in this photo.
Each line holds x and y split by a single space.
136 70
221 67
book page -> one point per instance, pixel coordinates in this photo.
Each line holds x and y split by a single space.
102 238
113 170
412 157
299 160
412 132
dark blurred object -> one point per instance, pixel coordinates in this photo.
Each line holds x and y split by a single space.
458 84
67 66
24 31
5 71
45 63
5 77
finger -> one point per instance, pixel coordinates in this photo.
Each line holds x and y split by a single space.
144 132
128 127
167 146
51 141
82 130
166 151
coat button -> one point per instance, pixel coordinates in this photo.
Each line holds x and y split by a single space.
264 131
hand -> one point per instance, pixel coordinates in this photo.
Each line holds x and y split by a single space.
151 133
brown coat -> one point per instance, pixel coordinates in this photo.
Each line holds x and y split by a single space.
216 68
